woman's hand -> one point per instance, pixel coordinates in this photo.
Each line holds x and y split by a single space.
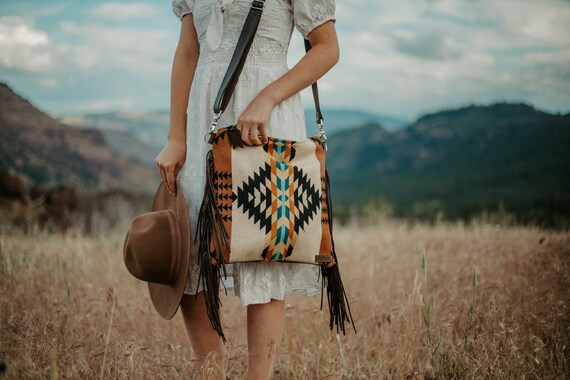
254 119
169 161
323 55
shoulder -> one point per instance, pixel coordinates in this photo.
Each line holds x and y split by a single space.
309 14
182 7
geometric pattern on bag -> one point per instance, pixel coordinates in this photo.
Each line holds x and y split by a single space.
280 198
272 201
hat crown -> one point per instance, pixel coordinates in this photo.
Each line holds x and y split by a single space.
157 249
153 248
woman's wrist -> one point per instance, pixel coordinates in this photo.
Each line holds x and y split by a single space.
176 138
271 94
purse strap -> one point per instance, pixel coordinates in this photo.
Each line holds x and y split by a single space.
236 65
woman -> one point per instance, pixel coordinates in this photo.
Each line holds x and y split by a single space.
266 102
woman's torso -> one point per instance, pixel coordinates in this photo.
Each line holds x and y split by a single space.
218 32
219 23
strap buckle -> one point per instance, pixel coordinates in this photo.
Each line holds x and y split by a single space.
257 4
213 125
322 135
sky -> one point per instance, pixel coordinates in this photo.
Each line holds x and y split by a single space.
398 58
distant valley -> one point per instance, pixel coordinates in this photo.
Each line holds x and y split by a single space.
149 128
45 152
507 159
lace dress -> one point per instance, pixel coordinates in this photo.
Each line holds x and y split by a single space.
218 24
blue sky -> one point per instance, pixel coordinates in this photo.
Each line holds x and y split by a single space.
400 58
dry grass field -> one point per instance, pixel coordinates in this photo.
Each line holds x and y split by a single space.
69 309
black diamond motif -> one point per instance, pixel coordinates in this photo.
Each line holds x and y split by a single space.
256 206
254 197
306 199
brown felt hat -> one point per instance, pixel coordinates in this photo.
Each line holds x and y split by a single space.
157 249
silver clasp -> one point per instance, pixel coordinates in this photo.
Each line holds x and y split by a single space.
213 125
322 135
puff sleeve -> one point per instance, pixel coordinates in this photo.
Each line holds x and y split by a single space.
182 7
308 14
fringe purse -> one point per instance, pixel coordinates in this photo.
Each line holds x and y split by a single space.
266 203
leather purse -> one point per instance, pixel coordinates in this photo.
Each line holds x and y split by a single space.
267 202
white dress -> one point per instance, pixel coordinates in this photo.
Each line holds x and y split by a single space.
218 24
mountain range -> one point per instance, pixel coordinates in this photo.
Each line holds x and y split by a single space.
460 162
44 151
455 164
149 128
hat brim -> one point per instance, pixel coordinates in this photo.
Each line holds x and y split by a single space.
166 298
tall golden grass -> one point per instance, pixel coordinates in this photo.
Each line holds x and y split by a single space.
69 309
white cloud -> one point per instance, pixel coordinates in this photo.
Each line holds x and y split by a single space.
24 47
410 56
94 61
546 22
403 58
116 11
430 45
121 48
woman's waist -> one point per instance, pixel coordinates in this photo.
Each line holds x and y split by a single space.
251 64
269 58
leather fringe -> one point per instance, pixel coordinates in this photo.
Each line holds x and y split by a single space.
211 263
339 308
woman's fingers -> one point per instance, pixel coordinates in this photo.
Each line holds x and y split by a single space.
170 160
250 133
247 132
263 134
244 134
176 171
170 181
168 174
162 174
254 138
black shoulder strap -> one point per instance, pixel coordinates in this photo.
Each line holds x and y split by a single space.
238 60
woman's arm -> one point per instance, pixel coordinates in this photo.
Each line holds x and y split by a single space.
324 54
173 155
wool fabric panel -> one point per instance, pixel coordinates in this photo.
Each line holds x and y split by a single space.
272 200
